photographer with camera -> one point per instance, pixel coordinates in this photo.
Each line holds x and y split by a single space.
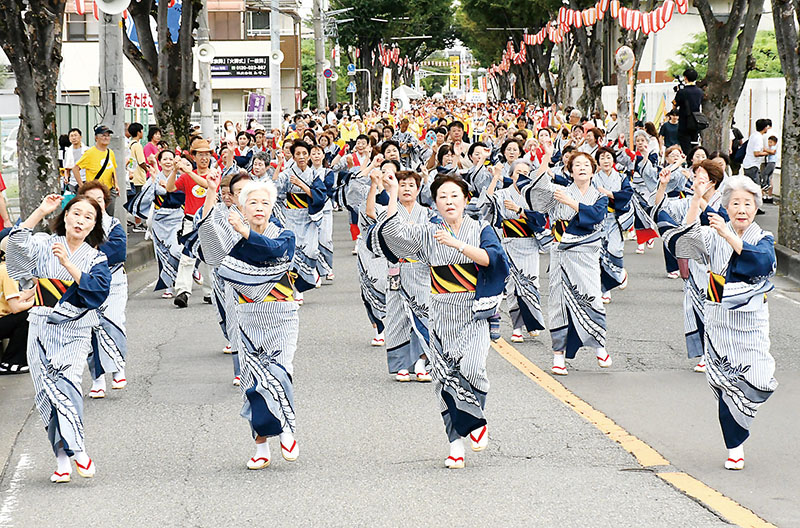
688 100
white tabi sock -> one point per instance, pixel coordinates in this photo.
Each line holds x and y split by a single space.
120 374
457 448
736 453
82 458
63 461
419 366
99 384
262 450
558 361
378 335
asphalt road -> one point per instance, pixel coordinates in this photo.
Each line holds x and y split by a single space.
171 448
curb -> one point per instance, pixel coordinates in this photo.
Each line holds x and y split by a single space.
788 262
139 254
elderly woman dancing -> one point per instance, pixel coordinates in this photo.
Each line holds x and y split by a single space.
72 281
741 258
254 258
468 268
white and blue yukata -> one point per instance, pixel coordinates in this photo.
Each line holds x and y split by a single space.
670 214
258 286
166 220
617 222
577 314
407 298
302 213
325 224
60 331
524 236
463 296
739 367
110 342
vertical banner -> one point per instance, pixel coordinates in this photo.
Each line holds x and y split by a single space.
256 104
386 90
482 84
455 69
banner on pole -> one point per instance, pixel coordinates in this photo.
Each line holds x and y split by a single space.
455 70
386 90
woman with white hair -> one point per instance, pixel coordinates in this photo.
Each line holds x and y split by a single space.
741 258
523 236
254 258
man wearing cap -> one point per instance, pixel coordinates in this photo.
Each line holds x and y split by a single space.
194 185
99 162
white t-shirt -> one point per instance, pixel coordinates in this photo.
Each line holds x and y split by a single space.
754 144
71 156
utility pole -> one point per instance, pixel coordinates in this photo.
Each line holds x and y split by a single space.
319 56
204 78
274 66
112 100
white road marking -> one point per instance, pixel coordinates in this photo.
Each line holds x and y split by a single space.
782 296
10 502
145 288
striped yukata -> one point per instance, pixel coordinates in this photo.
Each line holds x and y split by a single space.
463 296
523 236
617 221
258 288
372 277
644 181
325 225
577 314
166 221
60 331
670 214
302 213
109 339
739 367
407 298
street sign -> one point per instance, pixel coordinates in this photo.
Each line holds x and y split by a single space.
327 73
351 69
351 88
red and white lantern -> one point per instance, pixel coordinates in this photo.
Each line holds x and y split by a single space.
667 10
614 7
646 19
80 7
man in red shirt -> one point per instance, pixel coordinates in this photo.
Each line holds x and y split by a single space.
194 185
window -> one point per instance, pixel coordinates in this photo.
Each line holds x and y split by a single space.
225 25
258 24
82 28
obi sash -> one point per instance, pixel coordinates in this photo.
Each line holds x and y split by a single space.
283 291
297 200
716 287
158 201
559 228
49 291
454 278
406 260
517 228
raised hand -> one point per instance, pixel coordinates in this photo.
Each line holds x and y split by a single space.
213 178
390 183
50 203
718 223
235 219
664 176
511 206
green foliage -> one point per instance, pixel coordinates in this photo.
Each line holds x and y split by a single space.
308 74
694 53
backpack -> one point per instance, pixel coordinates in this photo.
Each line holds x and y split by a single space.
738 156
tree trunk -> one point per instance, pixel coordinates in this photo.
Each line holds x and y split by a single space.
721 93
541 59
166 69
32 43
785 15
588 43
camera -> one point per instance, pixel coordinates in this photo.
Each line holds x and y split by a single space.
680 85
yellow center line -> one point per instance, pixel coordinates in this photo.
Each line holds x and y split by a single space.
644 454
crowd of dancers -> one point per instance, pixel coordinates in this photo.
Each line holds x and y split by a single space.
450 207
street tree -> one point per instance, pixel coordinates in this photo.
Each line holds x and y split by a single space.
636 40
165 63
694 53
30 36
722 90
786 15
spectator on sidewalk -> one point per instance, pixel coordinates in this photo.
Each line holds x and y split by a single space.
72 154
99 163
755 151
688 100
5 219
137 167
14 306
668 133
769 168
151 149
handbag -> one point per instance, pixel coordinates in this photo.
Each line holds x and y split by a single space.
698 121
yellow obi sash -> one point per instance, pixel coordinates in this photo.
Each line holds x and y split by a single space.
454 278
559 228
297 200
406 260
517 228
49 291
716 287
158 201
283 291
